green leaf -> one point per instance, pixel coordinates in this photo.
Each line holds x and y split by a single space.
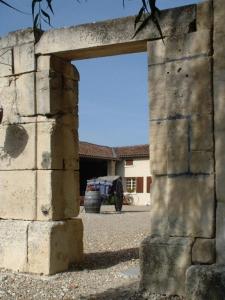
138 17
35 24
46 16
143 24
50 5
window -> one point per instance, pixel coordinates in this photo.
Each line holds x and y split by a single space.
131 184
129 162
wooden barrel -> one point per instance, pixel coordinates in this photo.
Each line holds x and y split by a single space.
92 202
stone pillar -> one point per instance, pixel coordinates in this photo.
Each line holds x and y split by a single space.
182 158
39 180
219 117
111 168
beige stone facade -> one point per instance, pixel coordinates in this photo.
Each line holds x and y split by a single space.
39 167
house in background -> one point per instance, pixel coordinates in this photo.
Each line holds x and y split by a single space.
131 163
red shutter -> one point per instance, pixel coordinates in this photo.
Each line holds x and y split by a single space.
149 182
139 182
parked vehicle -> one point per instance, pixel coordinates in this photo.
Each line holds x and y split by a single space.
107 189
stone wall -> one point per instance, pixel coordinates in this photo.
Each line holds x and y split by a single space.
183 220
39 170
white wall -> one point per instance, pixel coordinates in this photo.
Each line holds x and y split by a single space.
140 168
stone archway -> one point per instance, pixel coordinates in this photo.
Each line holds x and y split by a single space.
38 86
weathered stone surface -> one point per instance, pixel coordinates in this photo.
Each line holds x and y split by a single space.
57 64
25 90
55 93
191 206
157 92
52 246
156 52
57 145
159 206
204 15
205 283
219 61
17 195
114 36
57 195
24 58
177 159
201 133
203 251
220 233
75 240
158 147
163 263
187 81
6 62
188 45
220 162
19 37
201 162
13 246
219 8
18 147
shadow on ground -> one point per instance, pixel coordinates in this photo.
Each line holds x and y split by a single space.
128 292
101 260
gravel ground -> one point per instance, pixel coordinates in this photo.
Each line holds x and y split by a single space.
111 268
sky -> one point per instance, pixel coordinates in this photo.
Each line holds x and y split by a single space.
113 92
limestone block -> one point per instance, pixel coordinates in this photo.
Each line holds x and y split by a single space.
24 58
202 133
191 206
18 147
8 100
177 146
157 90
19 37
159 206
156 52
52 246
57 144
92 40
75 233
25 89
201 162
220 233
178 159
158 161
158 147
219 59
219 9
55 93
13 246
17 195
6 64
219 102
57 194
187 83
57 64
203 251
163 263
205 282
220 163
205 15
188 45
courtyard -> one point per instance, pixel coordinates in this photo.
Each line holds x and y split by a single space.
111 266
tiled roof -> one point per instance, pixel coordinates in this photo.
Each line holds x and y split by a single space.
105 152
95 151
133 151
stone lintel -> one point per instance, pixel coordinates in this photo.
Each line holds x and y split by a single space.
113 36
